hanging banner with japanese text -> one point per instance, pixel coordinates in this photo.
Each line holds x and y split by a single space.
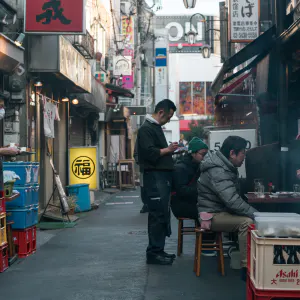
83 166
55 16
244 20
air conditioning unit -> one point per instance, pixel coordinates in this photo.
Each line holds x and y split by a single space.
126 8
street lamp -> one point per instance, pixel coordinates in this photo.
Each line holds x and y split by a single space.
191 35
206 51
189 3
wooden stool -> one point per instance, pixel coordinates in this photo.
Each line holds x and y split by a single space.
199 246
12 255
183 231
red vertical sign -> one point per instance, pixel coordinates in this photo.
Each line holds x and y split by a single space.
54 16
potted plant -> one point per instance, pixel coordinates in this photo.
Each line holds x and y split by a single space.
71 200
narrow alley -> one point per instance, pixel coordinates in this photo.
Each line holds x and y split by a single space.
103 258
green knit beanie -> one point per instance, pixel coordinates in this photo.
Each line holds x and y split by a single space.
196 144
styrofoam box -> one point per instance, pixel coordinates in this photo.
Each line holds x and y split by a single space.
280 227
271 271
274 214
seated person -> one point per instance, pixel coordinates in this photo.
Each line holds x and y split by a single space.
185 176
218 193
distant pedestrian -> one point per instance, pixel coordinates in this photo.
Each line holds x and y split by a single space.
155 160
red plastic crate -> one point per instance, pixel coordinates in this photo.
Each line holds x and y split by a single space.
255 294
3 258
2 206
23 242
33 239
250 228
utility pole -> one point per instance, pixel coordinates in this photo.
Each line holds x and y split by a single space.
282 95
138 54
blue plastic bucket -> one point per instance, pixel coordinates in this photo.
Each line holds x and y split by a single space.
82 194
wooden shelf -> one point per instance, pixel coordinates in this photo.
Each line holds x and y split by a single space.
13 197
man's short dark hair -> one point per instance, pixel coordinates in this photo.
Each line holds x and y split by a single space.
235 143
166 105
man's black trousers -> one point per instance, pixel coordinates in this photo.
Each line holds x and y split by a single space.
157 185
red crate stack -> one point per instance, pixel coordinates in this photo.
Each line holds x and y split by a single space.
2 206
250 228
33 239
255 294
23 242
3 258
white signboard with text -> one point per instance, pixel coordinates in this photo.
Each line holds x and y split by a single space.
244 20
122 65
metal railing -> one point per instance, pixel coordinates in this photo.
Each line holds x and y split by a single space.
83 44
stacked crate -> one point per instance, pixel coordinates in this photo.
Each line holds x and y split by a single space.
24 210
268 279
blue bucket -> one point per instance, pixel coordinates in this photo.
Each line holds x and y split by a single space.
82 194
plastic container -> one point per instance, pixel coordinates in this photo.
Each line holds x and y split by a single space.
35 172
3 237
35 194
24 200
23 217
23 169
268 269
273 214
278 227
82 196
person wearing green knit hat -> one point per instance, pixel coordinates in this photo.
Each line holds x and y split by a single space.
185 177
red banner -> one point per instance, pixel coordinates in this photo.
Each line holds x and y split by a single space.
54 16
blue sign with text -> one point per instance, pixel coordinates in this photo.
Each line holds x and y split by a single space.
161 57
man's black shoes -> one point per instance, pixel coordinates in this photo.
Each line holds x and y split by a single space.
159 260
144 209
165 254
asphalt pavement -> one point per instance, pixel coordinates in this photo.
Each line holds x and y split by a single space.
103 258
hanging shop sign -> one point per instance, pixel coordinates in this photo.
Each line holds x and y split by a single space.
244 20
128 29
83 166
128 81
122 65
73 65
161 57
55 16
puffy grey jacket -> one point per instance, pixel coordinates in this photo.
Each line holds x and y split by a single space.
218 188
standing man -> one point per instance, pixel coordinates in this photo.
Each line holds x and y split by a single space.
156 162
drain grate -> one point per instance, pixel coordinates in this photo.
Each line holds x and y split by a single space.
138 232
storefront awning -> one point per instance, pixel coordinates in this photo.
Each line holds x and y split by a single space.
117 91
232 86
259 47
11 56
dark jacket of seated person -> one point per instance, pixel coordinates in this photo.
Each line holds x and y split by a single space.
185 176
218 187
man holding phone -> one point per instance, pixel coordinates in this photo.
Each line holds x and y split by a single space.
156 163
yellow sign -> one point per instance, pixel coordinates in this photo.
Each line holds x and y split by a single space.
83 166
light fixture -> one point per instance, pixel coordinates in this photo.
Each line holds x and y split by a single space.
179 46
249 113
189 3
20 39
38 84
191 37
206 51
65 99
75 101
